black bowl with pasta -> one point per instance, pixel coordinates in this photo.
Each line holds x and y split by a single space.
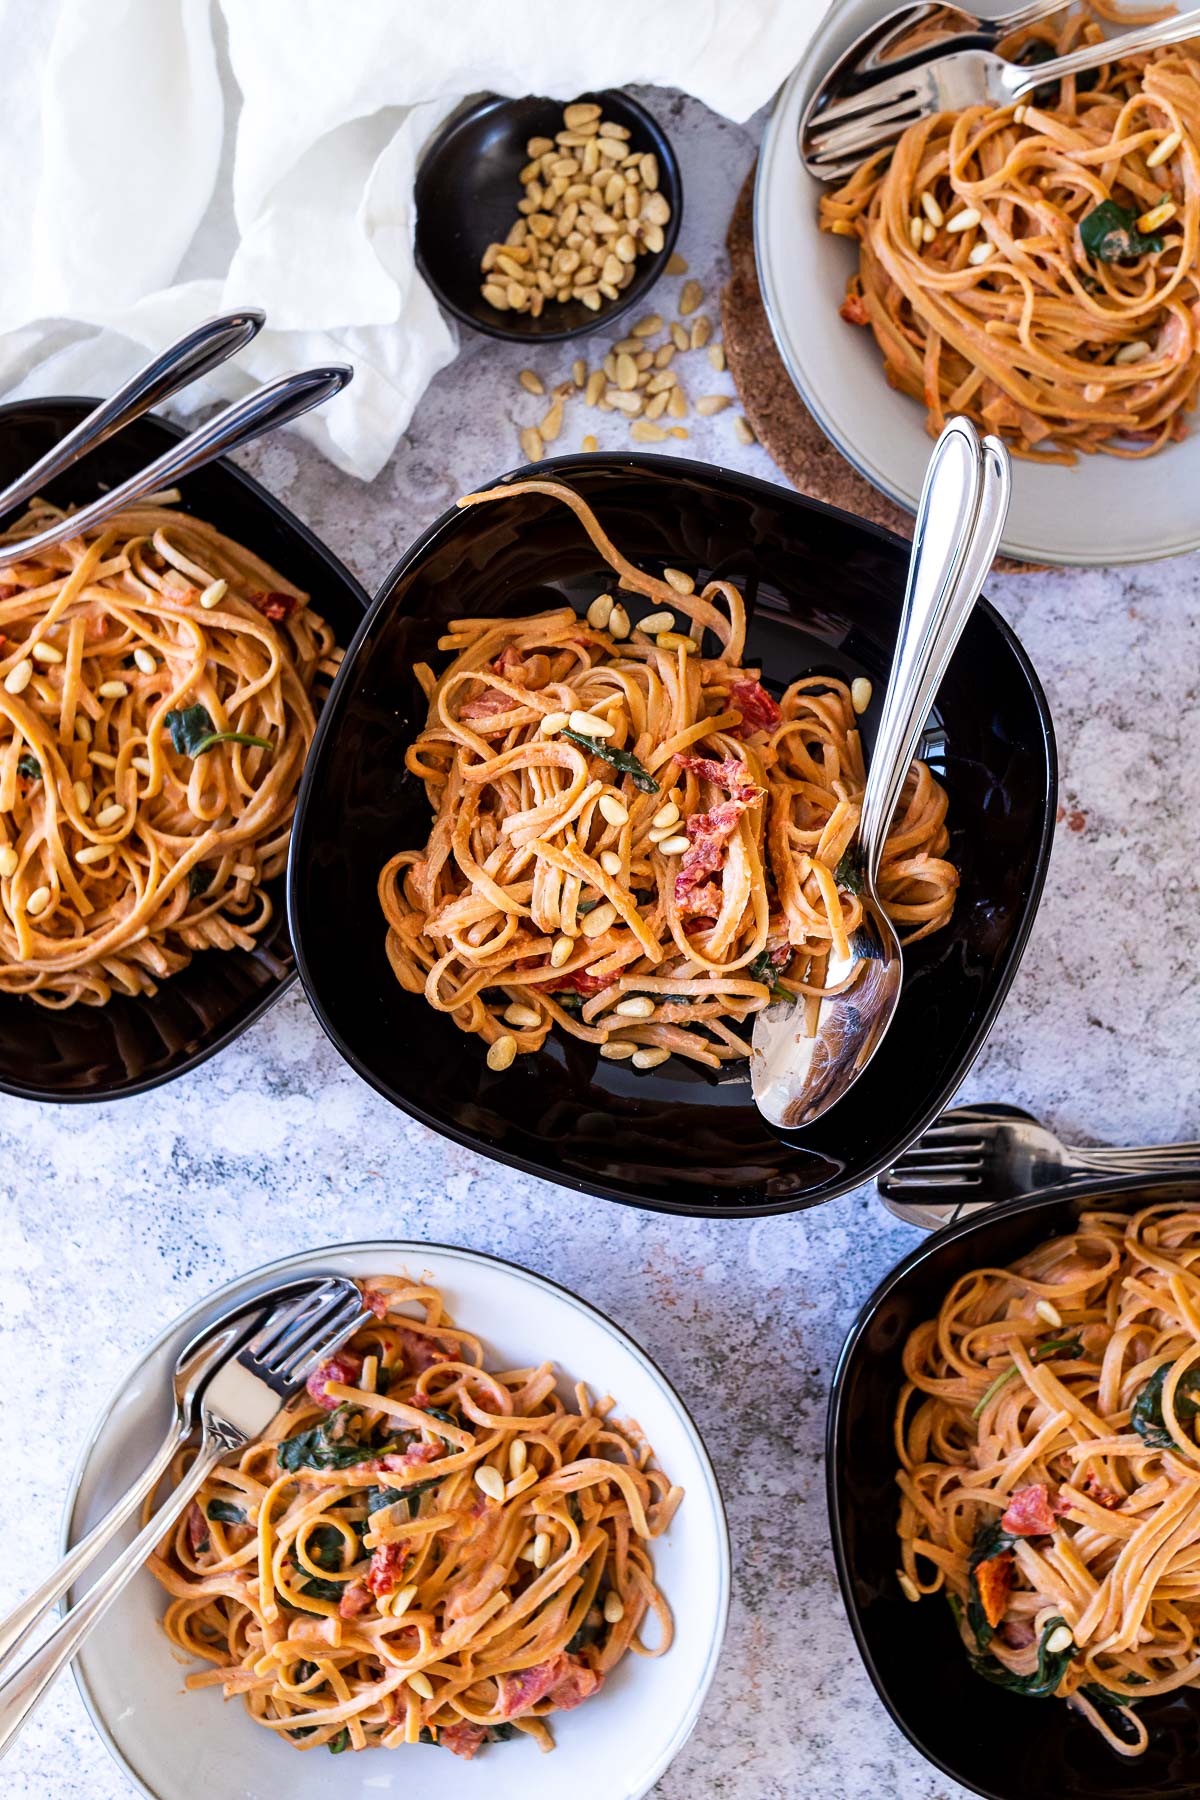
823 594
135 1041
995 1742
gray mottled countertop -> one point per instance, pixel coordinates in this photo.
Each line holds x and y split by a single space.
112 1219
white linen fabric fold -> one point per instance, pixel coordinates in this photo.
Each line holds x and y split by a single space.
161 160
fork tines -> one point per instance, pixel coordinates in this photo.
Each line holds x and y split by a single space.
296 1336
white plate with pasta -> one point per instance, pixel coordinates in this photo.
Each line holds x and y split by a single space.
1122 507
585 1581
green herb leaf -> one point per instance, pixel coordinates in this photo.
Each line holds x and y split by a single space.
225 1513
324 1546
571 1003
848 875
302 1672
1069 1348
589 1631
29 766
587 906
1146 1416
990 1541
340 1742
623 760
1110 234
199 881
379 1497
325 1446
764 970
316 1588
193 732
303 1731
500 1734
1051 1667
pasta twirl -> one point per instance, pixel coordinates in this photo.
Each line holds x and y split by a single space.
631 839
420 1550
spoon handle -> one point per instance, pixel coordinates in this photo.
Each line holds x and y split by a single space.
961 515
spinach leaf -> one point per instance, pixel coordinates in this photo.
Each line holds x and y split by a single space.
193 732
764 970
589 1630
1051 1667
324 1546
339 1743
1110 234
199 881
378 1497
317 1588
325 1446
225 1513
848 875
302 1672
990 1541
425 1736
1146 1416
29 766
1069 1348
500 1734
303 1731
569 1002
587 906
623 760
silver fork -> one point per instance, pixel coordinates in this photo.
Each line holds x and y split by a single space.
847 131
237 1404
976 1156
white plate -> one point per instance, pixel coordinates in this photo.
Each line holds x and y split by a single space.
1103 510
175 1745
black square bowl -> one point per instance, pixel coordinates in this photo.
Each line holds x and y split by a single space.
133 1043
823 592
1001 1745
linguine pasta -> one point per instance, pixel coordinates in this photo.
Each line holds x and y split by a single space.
420 1550
1034 266
157 693
632 839
1049 1466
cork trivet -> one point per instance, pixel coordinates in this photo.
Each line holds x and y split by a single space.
782 423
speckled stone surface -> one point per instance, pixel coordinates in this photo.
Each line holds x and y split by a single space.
112 1219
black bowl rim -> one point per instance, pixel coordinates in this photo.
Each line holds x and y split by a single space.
1098 1188
638 289
256 491
564 466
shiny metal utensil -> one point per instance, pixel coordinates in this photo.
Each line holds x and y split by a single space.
877 51
196 1362
276 403
977 1156
851 129
238 1402
795 1078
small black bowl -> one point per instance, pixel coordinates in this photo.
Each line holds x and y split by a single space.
106 1052
823 592
998 1744
467 191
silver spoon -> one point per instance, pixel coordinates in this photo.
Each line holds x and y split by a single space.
795 1078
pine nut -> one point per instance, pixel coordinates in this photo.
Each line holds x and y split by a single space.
614 1609
421 1684
595 387
525 1018
677 640
646 327
589 445
599 919
932 210
1157 215
610 862
553 722
1019 114
541 1549
701 331
665 816
674 846
708 404
83 796
644 431
532 447
561 951
927 233
551 425
47 653
500 1054
614 810
600 611
860 693
964 220
213 594
588 725
1060 1640
650 1058
83 728
618 622
533 384
690 296
1045 1310
9 861
110 815
617 1050
1165 147
489 1481
683 584
37 902
676 264
980 253
915 228
112 690
147 663
653 623
743 431
908 1587
91 853
19 677
518 1456
1132 353
716 357
639 1007
103 760
402 1599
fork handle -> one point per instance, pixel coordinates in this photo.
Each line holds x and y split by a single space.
1147 1159
1177 30
22 1691
23 1617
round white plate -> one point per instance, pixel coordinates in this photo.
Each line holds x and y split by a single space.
175 1745
1102 510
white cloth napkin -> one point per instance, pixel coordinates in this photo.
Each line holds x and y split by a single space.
161 160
